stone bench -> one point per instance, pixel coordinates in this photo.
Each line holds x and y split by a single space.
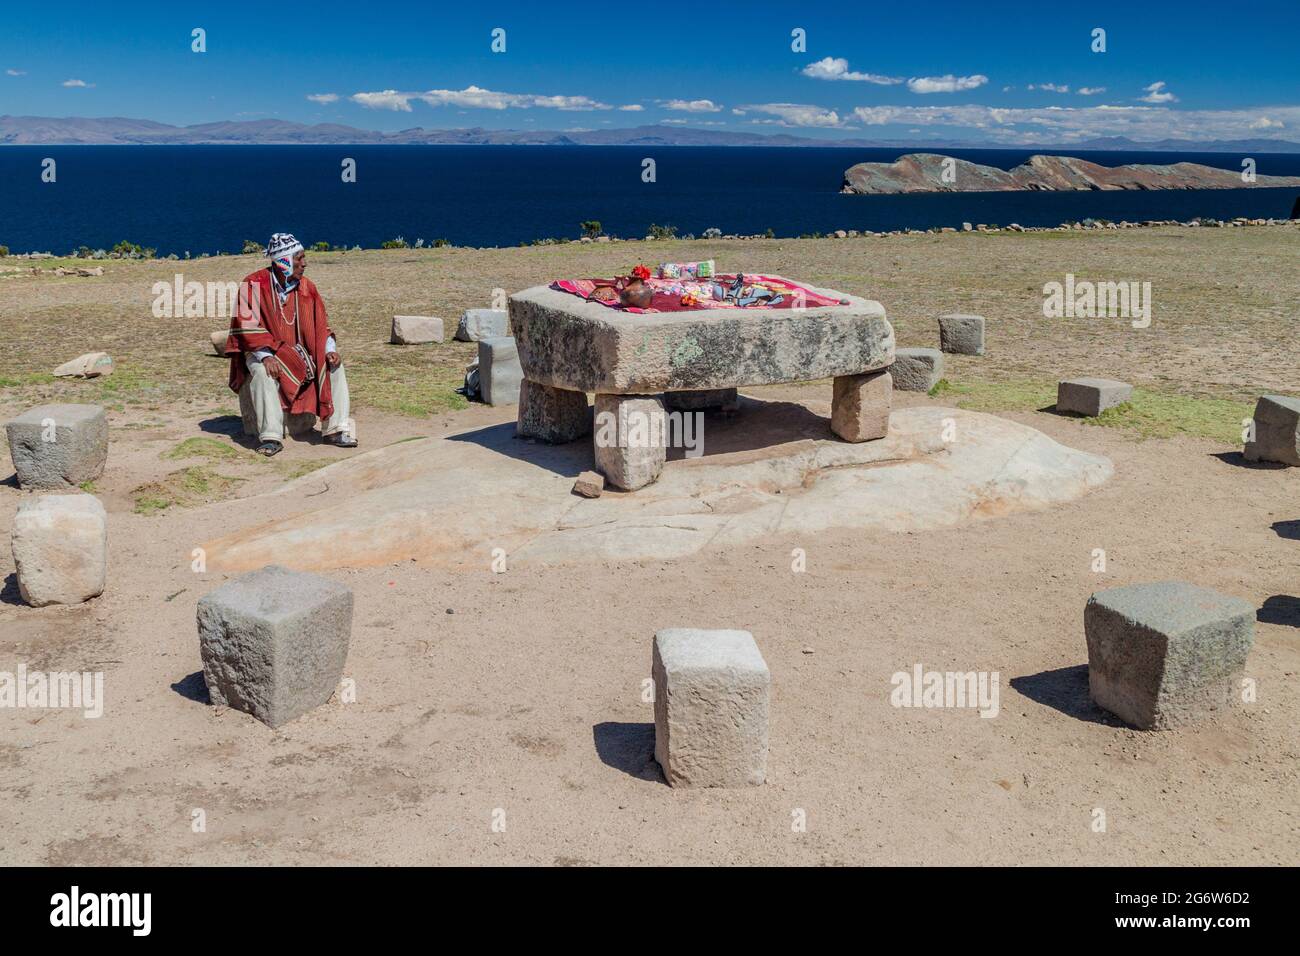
1091 396
916 369
416 330
58 446
712 691
568 344
274 642
1167 653
961 334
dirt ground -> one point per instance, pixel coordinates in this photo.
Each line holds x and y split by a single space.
485 699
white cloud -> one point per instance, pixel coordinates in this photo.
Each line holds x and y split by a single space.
323 98
794 114
632 108
1156 93
15 72
1068 124
837 68
78 84
691 106
1050 87
384 100
679 121
946 83
1090 90
474 97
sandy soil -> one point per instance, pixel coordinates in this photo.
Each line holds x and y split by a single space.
517 696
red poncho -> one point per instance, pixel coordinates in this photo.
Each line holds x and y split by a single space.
262 322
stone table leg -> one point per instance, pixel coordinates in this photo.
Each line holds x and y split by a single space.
553 415
631 439
860 407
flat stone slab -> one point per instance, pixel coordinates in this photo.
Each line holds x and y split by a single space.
478 324
916 369
274 642
60 546
58 446
1091 396
1168 653
1277 431
773 469
712 692
568 342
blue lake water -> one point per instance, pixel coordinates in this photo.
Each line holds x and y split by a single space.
212 198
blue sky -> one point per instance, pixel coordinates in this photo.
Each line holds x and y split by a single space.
1022 72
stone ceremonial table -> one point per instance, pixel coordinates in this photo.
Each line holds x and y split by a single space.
569 346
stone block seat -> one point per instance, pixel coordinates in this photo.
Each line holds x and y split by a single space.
568 344
58 446
1167 653
274 642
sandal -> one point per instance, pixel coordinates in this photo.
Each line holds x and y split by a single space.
270 448
341 439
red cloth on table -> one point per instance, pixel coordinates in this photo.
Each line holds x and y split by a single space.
665 301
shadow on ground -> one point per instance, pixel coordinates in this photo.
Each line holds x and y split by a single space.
1065 689
629 748
9 593
1287 529
1280 609
193 687
756 425
1238 460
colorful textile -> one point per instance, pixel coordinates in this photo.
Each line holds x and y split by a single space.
668 294
686 270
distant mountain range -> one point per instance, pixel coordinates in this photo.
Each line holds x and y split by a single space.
932 173
118 131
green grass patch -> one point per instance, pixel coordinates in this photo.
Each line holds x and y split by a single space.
996 396
1149 414
25 378
204 448
1163 415
408 391
126 384
185 488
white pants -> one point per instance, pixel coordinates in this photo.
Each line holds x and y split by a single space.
265 394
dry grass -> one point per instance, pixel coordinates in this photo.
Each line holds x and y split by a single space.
1225 306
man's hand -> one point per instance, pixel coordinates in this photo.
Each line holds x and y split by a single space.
271 366
333 360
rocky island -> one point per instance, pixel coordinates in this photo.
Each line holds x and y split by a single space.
933 173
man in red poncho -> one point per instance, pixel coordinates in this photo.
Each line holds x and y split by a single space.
281 345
